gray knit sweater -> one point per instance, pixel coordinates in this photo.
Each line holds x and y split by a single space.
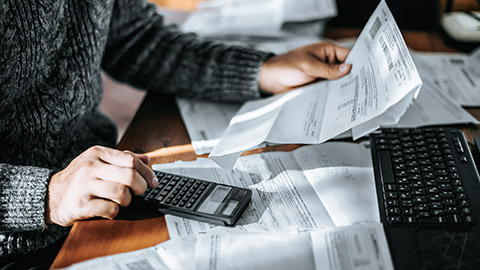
51 55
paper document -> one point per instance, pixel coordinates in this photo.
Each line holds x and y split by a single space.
383 74
434 107
254 17
205 121
456 75
361 246
308 10
237 17
172 254
353 247
311 187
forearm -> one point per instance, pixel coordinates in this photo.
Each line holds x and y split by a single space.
23 191
144 52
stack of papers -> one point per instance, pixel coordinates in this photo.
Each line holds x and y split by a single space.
254 17
378 90
353 247
315 186
453 74
312 208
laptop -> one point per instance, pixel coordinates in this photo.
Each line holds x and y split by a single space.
428 190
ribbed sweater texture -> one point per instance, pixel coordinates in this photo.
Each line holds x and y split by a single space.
51 56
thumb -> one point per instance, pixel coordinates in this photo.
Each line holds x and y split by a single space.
328 71
339 70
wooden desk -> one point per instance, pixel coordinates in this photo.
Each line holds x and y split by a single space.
157 129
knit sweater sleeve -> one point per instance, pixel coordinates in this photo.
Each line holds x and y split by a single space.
143 51
23 190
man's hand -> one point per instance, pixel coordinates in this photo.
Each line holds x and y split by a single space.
303 66
95 184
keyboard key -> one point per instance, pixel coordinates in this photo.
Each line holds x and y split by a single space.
455 219
465 211
410 220
408 211
468 220
407 203
393 211
438 212
394 220
432 221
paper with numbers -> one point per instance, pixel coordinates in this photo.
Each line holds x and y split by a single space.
383 75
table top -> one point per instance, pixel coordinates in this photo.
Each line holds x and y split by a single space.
158 130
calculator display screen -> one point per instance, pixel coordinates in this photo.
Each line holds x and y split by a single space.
214 200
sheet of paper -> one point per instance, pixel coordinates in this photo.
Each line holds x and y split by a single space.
353 247
147 259
307 10
282 200
237 17
205 121
383 73
286 190
279 251
454 74
178 254
433 107
342 176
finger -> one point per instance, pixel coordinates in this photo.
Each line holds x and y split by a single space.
330 53
100 208
144 158
121 175
129 160
341 53
141 165
115 157
112 191
146 172
319 69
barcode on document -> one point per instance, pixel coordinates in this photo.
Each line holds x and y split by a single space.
386 51
374 29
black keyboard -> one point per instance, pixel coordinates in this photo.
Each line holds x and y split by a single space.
419 178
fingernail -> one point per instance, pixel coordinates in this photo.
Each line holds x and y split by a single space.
343 68
155 182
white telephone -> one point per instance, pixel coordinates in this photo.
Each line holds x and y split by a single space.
462 26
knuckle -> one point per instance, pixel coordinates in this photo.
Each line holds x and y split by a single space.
131 175
131 160
112 210
95 149
124 196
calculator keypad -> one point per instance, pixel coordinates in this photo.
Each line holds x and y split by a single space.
178 191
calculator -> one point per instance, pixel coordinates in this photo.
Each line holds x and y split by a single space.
197 199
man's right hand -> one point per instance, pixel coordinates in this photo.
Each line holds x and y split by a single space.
95 184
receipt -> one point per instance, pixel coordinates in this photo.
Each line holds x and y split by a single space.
383 75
